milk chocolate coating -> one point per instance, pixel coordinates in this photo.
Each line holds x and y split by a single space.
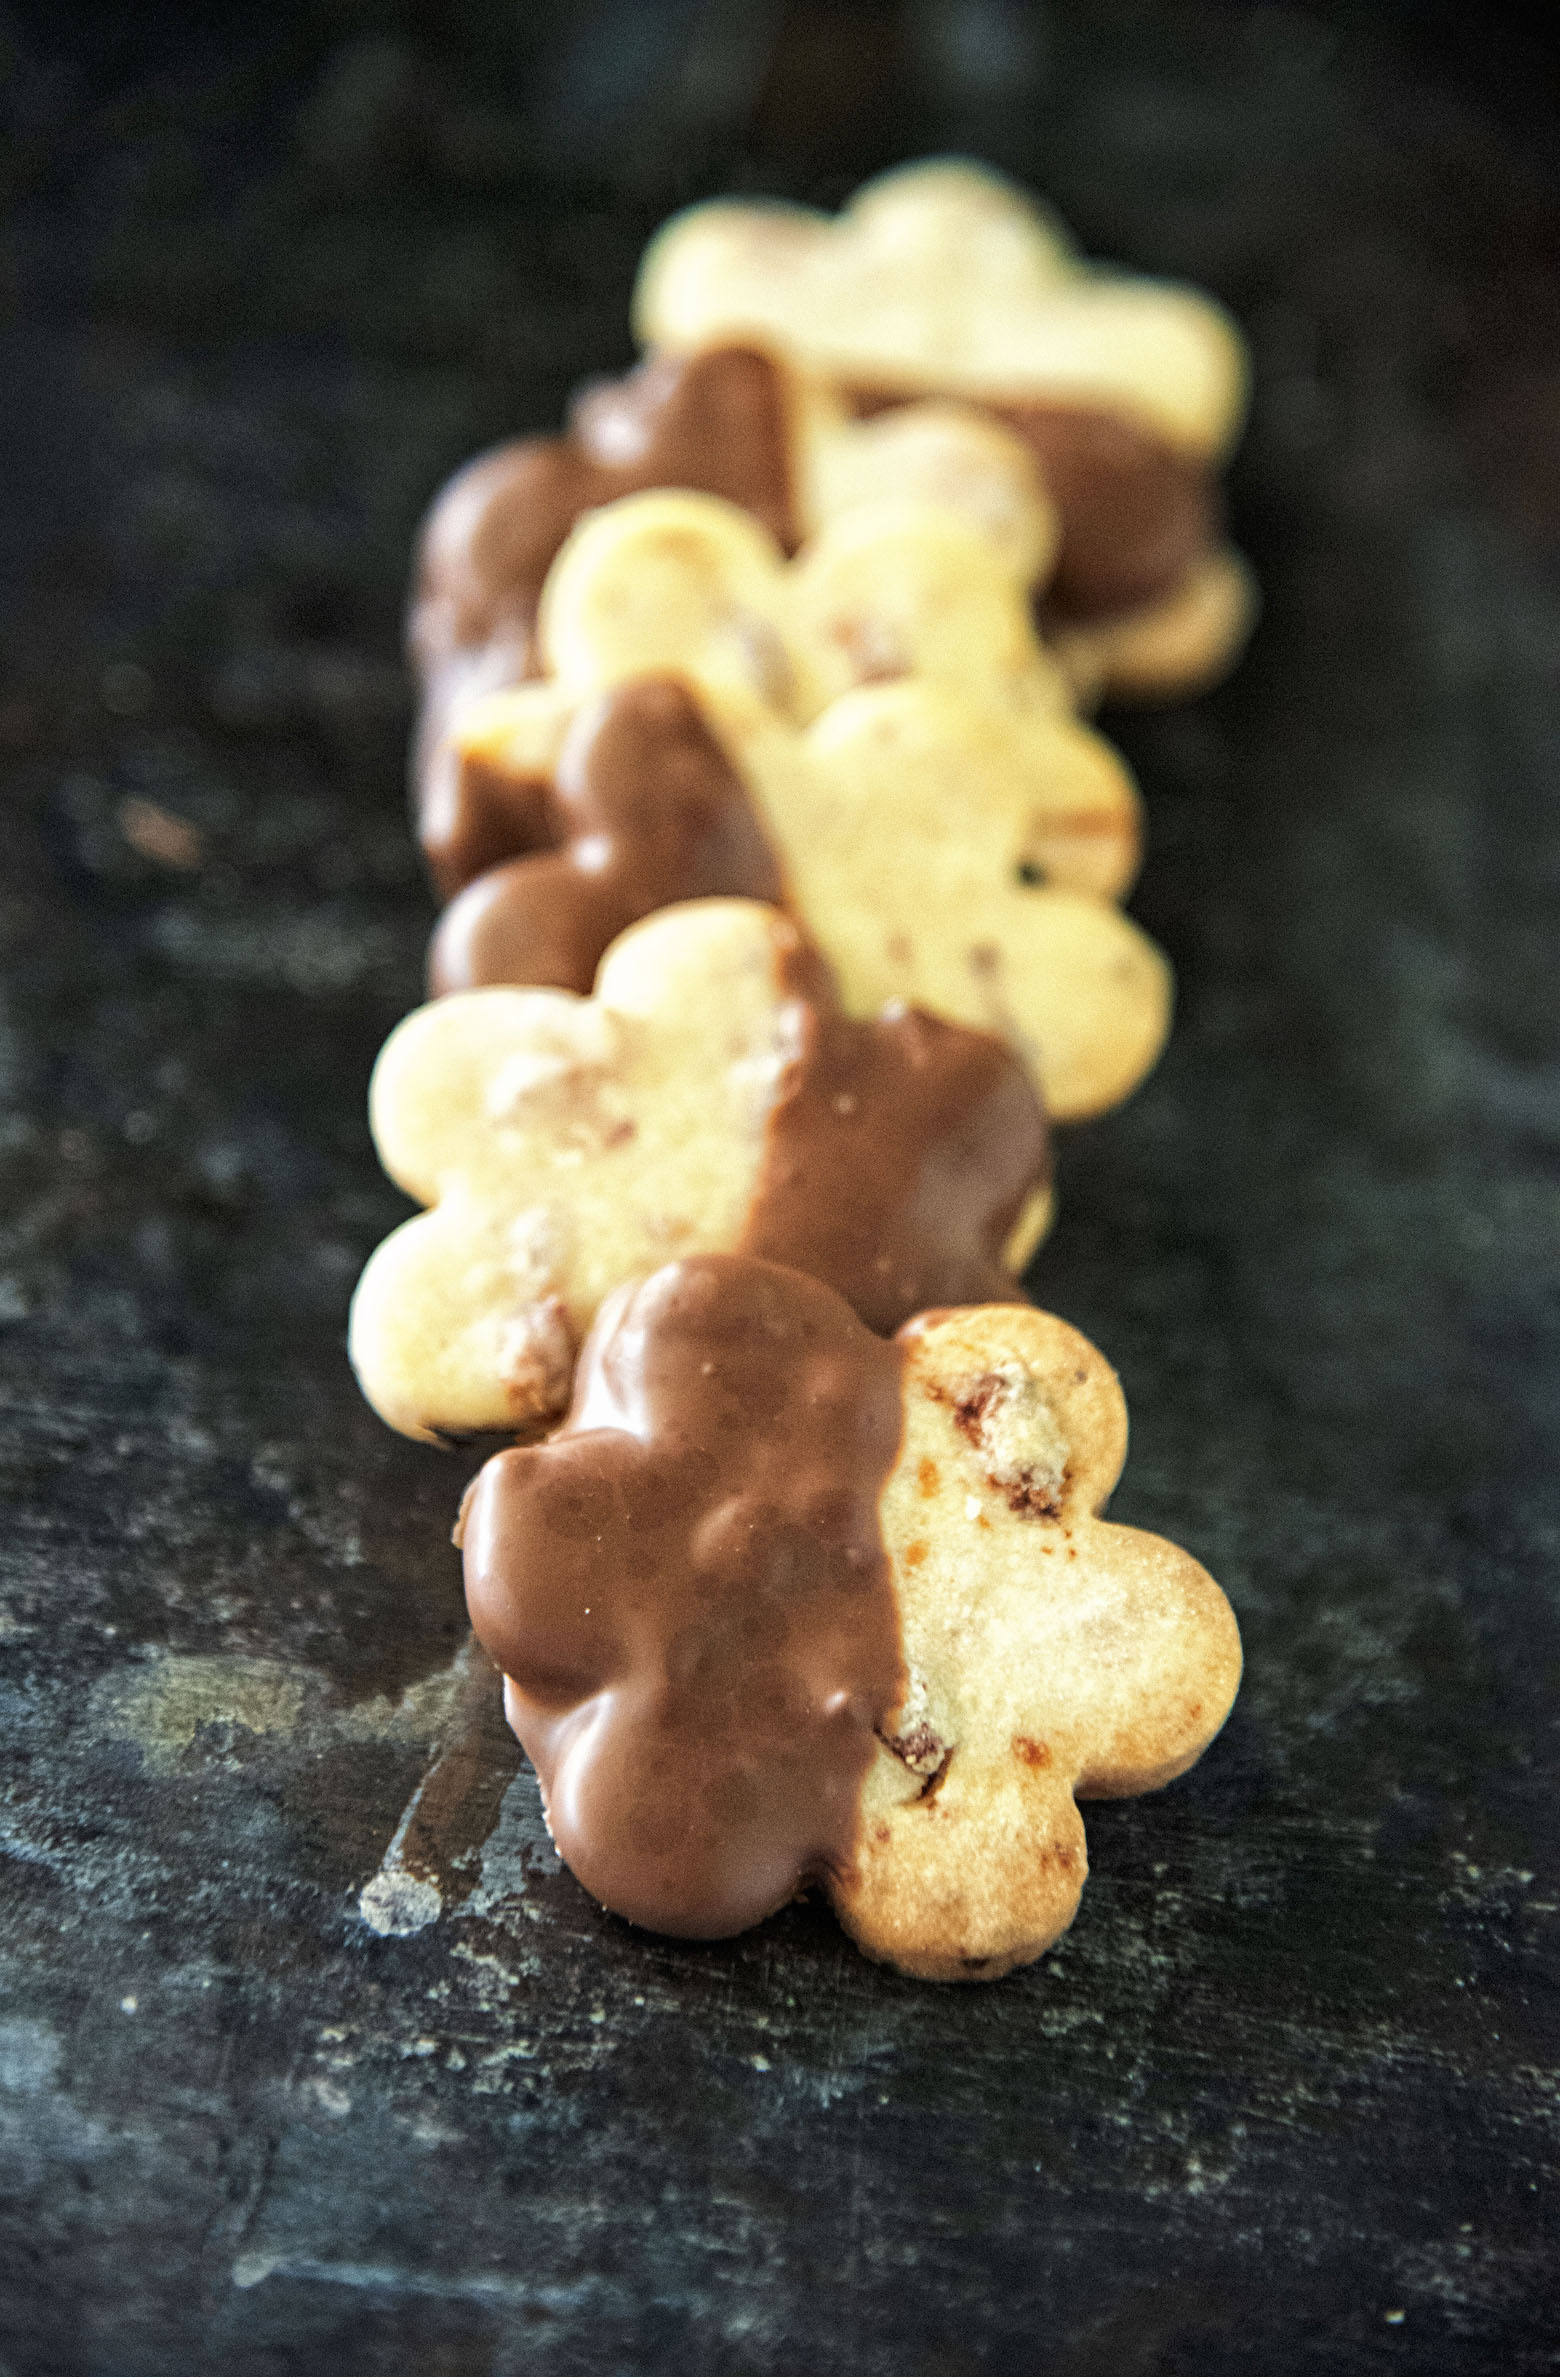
715 421
897 1158
644 809
687 1590
1134 513
899 1152
473 812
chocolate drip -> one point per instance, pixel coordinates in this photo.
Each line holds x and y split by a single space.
714 421
688 1592
1135 513
897 1157
644 809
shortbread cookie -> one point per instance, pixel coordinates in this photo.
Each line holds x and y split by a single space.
719 421
943 279
693 584
898 588
930 848
710 1096
732 422
781 1604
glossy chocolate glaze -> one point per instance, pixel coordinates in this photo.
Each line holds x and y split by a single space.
897 1157
474 812
644 809
714 421
1134 513
687 1590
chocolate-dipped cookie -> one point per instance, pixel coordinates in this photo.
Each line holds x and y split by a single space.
710 1096
943 279
783 1605
730 421
930 846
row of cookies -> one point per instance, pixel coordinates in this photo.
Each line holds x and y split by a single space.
784 875
940 338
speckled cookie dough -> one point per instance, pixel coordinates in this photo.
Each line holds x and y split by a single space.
942 279
898 588
939 852
709 1096
730 420
694 586
781 1605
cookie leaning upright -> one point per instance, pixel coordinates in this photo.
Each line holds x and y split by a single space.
780 1604
730 421
710 1096
943 279
691 586
912 835
941 830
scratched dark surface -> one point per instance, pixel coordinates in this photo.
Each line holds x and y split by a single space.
1287 2097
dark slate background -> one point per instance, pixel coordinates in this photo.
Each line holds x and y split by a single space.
1286 2098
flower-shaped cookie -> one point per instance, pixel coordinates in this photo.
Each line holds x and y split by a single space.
781 1604
719 421
730 421
944 279
928 846
894 589
692 584
710 1096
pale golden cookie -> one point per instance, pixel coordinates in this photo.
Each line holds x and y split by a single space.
922 842
731 421
673 580
947 455
692 585
947 854
689 585
781 1604
944 278
707 1097
1051 1655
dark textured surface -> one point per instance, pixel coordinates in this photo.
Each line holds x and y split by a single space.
1286 2098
